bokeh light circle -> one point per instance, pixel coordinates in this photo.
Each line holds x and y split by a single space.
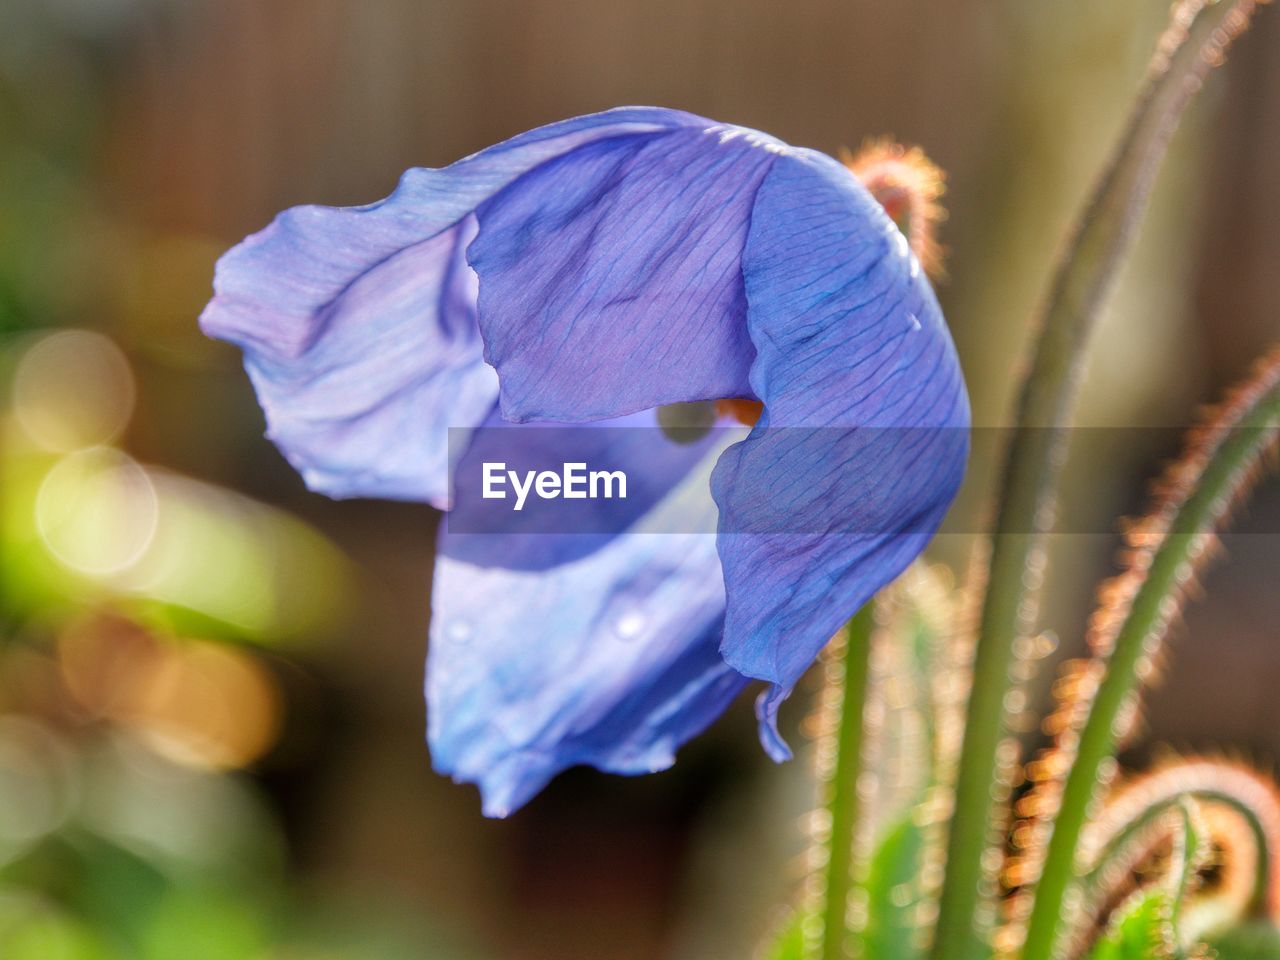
36 780
97 511
72 390
207 705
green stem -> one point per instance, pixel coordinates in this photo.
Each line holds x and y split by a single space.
842 802
1210 494
1082 283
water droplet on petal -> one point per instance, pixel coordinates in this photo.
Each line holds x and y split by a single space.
457 631
915 321
628 626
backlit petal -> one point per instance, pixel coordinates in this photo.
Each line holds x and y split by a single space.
611 280
358 324
864 437
609 658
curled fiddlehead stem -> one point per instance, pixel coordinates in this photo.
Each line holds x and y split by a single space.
1199 34
1099 702
1146 923
1241 814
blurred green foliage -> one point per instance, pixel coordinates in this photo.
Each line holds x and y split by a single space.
129 701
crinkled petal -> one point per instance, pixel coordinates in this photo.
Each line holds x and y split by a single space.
609 659
358 324
611 281
864 437
395 362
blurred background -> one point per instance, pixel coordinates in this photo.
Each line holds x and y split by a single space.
211 719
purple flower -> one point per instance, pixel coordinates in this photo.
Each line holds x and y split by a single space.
595 270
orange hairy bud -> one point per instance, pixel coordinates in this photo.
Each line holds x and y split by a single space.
908 185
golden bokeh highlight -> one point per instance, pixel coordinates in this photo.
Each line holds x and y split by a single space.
202 704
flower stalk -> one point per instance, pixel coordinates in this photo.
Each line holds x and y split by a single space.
842 805
1196 497
1195 42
